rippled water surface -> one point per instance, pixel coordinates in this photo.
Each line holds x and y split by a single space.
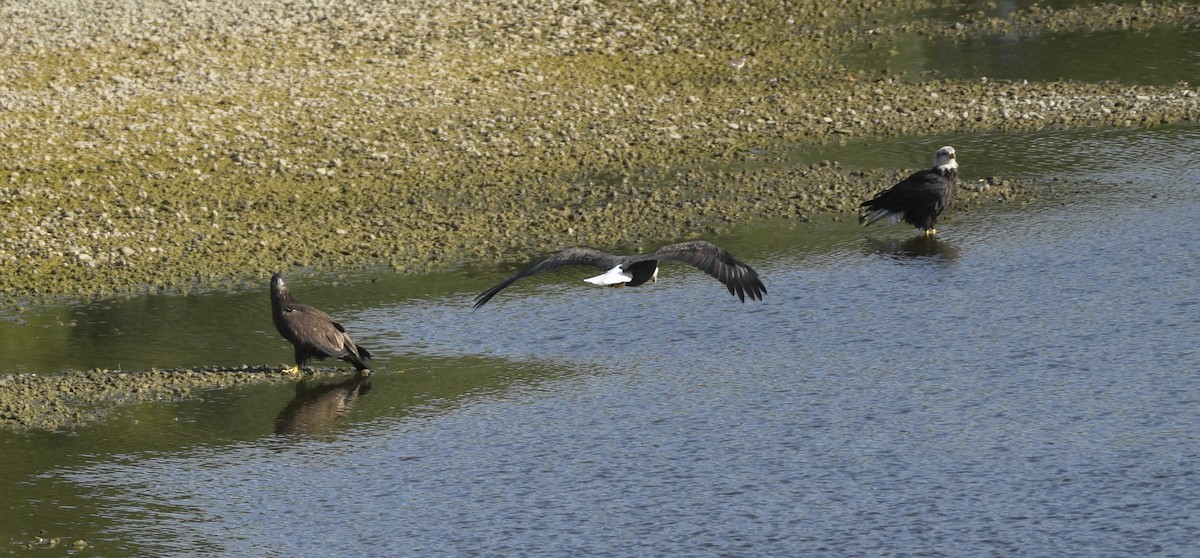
1161 55
1024 385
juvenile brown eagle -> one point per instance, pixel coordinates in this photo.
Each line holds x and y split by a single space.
919 199
739 278
312 332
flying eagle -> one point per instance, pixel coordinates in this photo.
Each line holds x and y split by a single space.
919 199
739 278
312 332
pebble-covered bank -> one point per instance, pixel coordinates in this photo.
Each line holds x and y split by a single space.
161 145
158 145
53 401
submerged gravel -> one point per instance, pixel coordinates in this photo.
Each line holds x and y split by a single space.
53 401
160 145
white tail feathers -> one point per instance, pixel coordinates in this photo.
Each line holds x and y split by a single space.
610 277
892 218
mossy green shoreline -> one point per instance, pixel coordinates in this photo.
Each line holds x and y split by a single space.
149 146
158 146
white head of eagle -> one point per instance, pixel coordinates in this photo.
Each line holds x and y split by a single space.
944 160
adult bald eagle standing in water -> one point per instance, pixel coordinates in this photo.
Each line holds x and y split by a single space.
312 332
919 199
739 278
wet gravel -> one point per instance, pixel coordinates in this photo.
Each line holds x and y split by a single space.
56 401
161 146
155 146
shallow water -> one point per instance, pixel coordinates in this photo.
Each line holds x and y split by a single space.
1162 55
1023 385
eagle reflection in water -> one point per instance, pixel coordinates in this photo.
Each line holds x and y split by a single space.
914 247
319 406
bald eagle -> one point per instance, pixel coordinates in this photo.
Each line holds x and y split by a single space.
919 199
739 278
312 332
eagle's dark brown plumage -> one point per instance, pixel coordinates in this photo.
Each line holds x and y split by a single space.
741 280
919 199
312 332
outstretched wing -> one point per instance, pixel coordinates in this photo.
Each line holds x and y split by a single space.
570 256
739 278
